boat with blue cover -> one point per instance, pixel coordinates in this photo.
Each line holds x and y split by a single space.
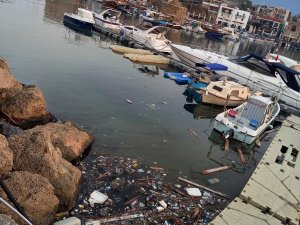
83 21
179 78
246 122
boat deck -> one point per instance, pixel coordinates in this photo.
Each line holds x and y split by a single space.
272 195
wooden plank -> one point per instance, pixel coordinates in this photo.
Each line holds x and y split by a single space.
194 133
213 170
156 168
226 147
242 158
203 187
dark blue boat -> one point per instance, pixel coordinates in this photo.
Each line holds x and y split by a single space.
82 22
179 78
191 92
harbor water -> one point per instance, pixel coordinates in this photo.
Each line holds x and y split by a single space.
85 82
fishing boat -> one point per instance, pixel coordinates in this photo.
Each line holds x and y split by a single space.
246 122
254 71
152 38
108 19
225 93
83 21
179 78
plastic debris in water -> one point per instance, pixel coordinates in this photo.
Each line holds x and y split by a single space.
193 192
96 197
129 101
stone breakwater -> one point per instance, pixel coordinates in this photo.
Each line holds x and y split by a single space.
35 152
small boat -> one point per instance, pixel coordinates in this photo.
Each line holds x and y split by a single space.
83 21
153 37
179 78
108 19
225 93
247 121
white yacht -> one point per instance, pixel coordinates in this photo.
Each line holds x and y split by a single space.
254 71
230 34
108 19
152 38
246 122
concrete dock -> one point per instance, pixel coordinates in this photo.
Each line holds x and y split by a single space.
272 194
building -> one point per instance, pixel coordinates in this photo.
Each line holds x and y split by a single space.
232 17
269 21
292 32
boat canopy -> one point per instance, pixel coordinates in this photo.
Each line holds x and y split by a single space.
213 66
290 77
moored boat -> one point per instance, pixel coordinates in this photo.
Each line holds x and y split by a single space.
108 19
152 38
83 21
225 93
252 70
246 122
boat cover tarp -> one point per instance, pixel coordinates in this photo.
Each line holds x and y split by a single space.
213 66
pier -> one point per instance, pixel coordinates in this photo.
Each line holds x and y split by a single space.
272 194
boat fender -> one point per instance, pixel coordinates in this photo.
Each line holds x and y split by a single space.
206 93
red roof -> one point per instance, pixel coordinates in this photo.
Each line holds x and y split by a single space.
272 18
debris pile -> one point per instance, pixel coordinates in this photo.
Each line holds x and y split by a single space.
115 189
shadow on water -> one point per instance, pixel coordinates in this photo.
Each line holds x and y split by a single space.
201 111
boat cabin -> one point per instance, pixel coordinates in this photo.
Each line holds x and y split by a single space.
226 88
258 64
85 14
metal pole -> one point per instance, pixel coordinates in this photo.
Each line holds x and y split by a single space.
16 211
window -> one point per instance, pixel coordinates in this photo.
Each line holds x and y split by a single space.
294 28
235 93
217 88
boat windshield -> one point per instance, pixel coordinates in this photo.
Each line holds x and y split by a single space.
255 65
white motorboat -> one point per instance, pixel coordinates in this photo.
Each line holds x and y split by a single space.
108 19
252 70
246 122
152 38
82 21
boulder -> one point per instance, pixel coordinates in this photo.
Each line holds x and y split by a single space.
6 156
7 81
70 139
35 195
26 107
7 220
34 152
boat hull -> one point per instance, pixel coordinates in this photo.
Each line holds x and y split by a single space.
78 25
107 25
238 135
216 100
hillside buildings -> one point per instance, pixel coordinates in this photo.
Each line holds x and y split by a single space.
269 21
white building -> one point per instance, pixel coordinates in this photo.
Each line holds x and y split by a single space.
232 17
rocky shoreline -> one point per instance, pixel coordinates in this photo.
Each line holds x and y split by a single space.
35 152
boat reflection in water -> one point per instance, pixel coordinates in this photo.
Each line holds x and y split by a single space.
201 111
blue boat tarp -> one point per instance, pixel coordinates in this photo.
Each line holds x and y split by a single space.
197 85
213 66
179 78
216 67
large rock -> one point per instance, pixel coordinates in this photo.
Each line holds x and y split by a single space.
34 152
6 156
35 195
7 81
26 107
7 220
70 139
